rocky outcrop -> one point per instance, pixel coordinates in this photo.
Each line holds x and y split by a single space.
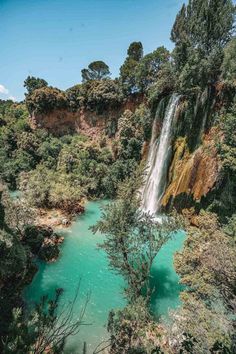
43 242
87 122
49 250
193 175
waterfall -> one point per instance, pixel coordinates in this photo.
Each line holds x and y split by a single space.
158 158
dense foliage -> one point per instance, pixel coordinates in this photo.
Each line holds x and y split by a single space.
229 62
200 32
45 100
55 171
60 171
20 241
101 95
32 83
127 70
80 171
207 267
15 156
148 69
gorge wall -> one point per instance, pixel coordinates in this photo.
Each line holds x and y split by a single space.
194 170
84 121
194 165
192 175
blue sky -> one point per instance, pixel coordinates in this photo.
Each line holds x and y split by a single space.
55 39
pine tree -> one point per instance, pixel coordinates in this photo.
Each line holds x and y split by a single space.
127 70
200 33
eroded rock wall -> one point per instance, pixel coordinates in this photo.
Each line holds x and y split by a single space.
193 175
87 122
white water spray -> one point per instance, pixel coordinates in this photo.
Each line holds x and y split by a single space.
158 158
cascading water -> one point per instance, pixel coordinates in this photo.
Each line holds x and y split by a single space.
158 159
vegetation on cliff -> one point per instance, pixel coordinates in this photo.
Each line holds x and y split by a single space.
57 170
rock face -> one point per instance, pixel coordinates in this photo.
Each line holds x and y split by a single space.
49 250
90 123
193 175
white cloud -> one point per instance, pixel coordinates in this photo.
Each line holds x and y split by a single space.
5 94
4 90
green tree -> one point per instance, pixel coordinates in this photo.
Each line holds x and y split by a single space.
49 149
149 67
18 145
130 330
133 130
75 96
100 95
45 327
46 99
132 238
200 32
229 62
135 51
211 23
164 84
127 70
226 197
130 137
180 36
97 70
32 83
118 172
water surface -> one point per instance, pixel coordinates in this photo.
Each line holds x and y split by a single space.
80 258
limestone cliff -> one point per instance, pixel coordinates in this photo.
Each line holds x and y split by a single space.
195 166
193 175
87 122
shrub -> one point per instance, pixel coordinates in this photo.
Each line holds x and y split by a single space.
46 99
101 95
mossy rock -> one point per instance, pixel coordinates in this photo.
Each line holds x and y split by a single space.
49 252
35 235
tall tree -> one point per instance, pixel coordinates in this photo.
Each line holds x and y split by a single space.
148 69
179 35
210 23
133 239
135 51
127 70
200 32
229 62
97 70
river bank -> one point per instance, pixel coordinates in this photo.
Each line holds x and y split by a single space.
55 218
59 218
